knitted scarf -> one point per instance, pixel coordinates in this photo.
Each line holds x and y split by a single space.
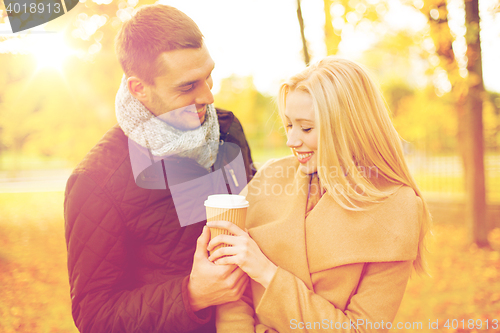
151 132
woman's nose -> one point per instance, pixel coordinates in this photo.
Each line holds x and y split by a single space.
293 140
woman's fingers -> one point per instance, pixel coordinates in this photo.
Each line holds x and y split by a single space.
221 239
231 227
227 260
223 251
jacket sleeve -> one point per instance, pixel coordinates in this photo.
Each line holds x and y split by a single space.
236 316
288 304
103 296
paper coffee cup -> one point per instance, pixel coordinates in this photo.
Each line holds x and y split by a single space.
226 207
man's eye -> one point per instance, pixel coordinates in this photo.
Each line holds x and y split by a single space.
187 88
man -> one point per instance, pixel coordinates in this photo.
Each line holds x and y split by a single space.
132 267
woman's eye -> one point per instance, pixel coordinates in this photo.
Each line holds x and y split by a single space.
307 130
289 126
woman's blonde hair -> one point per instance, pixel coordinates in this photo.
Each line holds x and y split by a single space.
355 137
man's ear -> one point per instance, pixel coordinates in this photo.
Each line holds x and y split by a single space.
138 89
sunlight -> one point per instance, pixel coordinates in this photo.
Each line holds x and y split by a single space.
50 51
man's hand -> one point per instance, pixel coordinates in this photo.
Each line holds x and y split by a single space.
210 284
243 251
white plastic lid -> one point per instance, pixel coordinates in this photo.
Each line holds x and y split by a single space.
226 201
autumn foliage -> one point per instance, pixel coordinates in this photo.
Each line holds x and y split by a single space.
34 293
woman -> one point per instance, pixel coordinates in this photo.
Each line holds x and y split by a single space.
333 231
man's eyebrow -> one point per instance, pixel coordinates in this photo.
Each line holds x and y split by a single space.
188 83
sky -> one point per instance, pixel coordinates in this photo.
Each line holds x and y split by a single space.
262 38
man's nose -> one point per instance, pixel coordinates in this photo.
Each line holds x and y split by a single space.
205 96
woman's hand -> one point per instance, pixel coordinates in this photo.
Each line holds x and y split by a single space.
243 252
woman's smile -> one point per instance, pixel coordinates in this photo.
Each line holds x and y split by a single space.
304 157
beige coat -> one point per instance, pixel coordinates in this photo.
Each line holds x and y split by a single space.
338 270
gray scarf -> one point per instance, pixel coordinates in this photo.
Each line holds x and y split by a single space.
144 128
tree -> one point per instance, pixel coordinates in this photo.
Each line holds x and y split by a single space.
303 36
52 114
474 137
347 12
254 109
332 40
468 94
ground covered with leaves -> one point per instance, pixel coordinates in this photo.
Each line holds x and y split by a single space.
34 292
464 288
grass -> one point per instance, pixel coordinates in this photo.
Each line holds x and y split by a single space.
34 293
453 186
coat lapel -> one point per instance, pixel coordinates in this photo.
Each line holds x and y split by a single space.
386 232
276 221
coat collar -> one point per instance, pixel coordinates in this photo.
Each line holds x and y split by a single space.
283 238
385 232
331 236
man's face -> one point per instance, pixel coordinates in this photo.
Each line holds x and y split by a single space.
180 97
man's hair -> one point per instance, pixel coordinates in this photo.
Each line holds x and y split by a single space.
152 30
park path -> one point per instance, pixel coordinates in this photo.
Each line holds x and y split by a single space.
34 180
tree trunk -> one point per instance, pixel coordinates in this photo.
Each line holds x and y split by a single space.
468 95
304 41
475 178
331 39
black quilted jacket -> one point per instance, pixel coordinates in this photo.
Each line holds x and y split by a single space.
128 258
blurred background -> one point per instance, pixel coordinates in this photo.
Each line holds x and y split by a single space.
437 64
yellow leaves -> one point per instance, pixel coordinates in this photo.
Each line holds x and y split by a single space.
56 114
490 273
465 281
15 311
34 292
495 297
256 112
412 122
494 239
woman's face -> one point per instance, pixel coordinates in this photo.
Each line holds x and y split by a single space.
301 131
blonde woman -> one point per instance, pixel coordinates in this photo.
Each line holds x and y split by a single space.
334 231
